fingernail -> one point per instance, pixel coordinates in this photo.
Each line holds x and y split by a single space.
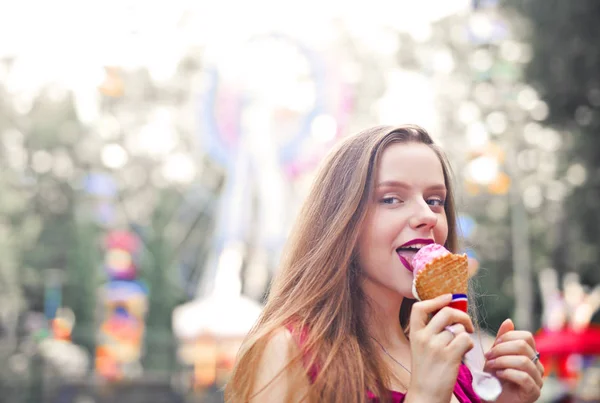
500 372
488 354
498 341
491 363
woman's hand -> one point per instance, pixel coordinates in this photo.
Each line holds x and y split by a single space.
511 359
437 348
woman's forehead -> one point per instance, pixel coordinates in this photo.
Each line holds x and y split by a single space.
409 163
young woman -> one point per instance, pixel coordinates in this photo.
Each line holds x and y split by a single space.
336 324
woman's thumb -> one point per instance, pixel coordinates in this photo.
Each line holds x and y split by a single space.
421 310
505 327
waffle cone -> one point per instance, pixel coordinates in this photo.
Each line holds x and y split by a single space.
447 274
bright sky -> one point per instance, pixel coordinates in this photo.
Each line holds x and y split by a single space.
72 39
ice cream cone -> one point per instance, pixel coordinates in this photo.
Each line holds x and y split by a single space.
444 275
436 272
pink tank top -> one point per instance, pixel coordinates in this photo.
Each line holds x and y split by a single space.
463 390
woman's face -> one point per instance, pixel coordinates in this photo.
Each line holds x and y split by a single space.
406 212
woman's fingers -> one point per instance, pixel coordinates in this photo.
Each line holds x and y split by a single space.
449 316
516 343
517 335
460 345
446 335
513 347
421 310
516 362
449 333
524 381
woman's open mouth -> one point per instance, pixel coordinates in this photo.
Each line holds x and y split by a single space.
405 262
407 251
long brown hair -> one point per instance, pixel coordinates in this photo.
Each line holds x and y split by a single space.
317 286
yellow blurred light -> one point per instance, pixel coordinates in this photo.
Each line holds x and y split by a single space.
500 185
112 85
118 260
483 170
495 151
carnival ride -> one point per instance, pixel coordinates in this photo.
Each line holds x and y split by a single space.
568 342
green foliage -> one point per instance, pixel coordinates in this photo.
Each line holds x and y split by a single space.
82 280
158 273
47 218
565 70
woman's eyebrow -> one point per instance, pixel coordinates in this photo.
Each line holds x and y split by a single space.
399 184
393 183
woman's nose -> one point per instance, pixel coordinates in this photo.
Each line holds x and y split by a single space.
423 217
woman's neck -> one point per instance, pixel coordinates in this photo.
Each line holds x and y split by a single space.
382 315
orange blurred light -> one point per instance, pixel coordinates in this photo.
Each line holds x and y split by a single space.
500 185
113 85
471 188
495 151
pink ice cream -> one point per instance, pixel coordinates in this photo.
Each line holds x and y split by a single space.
427 254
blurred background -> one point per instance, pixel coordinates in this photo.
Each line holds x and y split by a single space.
154 155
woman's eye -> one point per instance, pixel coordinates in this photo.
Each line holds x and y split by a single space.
390 200
437 202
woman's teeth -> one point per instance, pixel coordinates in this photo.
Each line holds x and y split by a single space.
412 247
407 253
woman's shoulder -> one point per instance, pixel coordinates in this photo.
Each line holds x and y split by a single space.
278 374
279 347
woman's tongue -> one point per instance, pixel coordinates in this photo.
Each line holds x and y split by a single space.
406 257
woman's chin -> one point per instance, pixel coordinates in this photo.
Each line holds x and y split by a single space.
401 292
